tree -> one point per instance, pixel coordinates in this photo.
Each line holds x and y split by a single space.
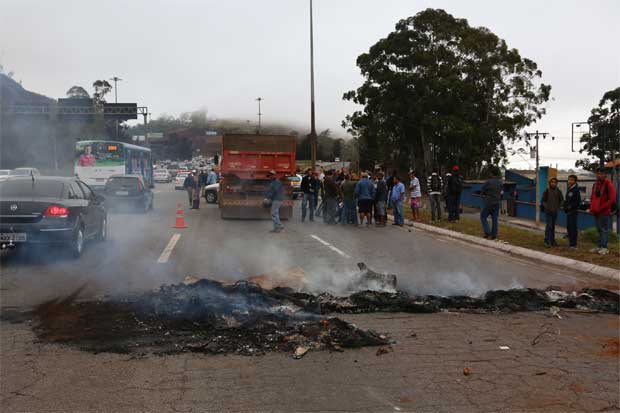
102 88
603 141
438 91
77 92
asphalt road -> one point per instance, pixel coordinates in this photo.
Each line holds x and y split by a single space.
141 253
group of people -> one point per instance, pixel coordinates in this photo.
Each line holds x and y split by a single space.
194 184
351 198
602 206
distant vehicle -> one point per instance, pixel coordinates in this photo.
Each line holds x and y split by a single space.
4 174
25 172
162 175
295 181
173 168
180 179
50 211
96 161
210 193
246 161
128 191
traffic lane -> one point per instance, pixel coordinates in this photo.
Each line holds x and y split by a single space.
126 262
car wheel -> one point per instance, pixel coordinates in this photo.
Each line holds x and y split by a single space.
211 197
78 243
103 230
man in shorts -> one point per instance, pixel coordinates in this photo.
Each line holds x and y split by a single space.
416 195
365 194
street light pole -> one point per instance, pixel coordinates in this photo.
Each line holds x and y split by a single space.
116 79
537 136
259 99
312 116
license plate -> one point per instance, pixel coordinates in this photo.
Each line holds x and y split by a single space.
125 193
13 236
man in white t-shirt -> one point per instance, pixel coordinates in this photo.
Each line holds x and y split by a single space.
416 195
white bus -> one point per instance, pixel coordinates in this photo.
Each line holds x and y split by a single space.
96 161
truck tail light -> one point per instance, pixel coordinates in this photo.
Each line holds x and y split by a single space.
56 211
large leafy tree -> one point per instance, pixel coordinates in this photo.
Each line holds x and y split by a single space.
603 141
438 91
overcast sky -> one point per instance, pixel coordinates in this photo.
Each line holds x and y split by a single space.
176 56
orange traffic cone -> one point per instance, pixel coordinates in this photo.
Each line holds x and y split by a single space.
180 221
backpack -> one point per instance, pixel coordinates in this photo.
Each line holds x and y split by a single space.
435 183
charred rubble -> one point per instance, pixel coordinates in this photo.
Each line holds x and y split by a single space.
209 316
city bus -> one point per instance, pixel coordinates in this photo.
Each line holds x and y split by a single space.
97 160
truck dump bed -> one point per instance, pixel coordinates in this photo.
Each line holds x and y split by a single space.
246 161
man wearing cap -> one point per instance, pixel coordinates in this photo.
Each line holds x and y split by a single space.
275 194
454 188
308 195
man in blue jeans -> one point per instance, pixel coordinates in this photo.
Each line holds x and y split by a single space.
275 194
397 197
308 196
491 194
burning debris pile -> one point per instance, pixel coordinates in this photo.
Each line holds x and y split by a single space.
208 316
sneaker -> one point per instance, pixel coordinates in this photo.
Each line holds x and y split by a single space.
594 249
485 236
547 244
572 248
603 251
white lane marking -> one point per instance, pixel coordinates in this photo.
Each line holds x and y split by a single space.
330 246
165 254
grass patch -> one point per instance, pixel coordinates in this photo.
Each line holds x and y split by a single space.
534 240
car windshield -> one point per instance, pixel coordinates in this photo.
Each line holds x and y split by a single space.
4 172
26 188
122 183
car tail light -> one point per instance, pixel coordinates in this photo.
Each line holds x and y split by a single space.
56 211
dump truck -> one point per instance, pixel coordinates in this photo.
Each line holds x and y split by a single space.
246 161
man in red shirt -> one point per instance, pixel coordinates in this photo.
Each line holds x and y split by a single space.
602 202
87 158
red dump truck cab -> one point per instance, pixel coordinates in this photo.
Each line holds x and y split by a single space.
246 161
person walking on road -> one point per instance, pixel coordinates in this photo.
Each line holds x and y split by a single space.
491 194
434 185
415 195
454 188
308 196
397 198
552 200
275 194
196 191
188 184
390 184
365 195
602 206
381 194
571 208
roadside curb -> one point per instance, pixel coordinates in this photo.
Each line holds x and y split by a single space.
568 263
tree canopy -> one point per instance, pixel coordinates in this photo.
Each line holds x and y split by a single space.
439 92
603 140
77 92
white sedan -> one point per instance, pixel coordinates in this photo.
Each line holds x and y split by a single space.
162 175
180 179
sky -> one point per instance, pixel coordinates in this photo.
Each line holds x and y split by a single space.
181 55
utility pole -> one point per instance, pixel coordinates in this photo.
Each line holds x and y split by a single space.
312 117
259 100
537 136
116 79
574 125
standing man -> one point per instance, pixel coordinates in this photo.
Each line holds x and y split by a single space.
365 194
196 191
552 200
315 183
308 195
348 197
453 194
211 177
571 208
491 194
381 194
330 198
397 198
390 185
188 184
434 185
416 195
275 194
602 205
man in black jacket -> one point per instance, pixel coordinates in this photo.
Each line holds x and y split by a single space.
308 197
571 208
491 194
552 201
454 188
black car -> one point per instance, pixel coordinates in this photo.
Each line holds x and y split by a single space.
128 192
51 211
